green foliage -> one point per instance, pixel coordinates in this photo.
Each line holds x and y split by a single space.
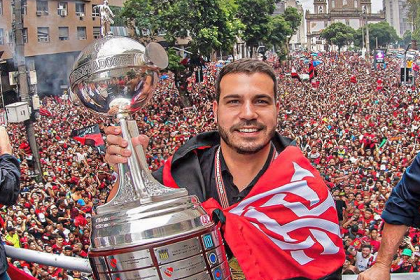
174 61
209 23
280 30
385 33
338 34
118 19
293 17
256 14
406 39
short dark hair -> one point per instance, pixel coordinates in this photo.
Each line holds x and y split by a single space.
367 246
247 66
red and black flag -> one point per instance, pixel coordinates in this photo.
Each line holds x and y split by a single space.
89 135
295 75
312 71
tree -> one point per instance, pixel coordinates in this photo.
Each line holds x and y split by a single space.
209 24
413 12
257 16
338 34
406 39
293 18
384 32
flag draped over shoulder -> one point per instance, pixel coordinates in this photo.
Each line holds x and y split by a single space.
287 226
89 135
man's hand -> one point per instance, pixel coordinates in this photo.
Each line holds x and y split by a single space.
117 151
5 147
376 272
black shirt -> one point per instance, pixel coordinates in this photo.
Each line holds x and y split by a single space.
207 164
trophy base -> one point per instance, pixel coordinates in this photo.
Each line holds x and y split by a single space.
197 256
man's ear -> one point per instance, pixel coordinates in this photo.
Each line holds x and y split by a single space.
215 108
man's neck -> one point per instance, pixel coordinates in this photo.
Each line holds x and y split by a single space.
244 167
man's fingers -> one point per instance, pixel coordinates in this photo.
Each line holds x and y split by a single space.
141 140
116 140
114 130
114 150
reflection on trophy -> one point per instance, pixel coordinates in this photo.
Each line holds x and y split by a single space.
147 231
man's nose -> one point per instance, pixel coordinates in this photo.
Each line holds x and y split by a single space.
248 111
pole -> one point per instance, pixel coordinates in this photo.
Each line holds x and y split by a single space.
376 42
363 34
69 263
367 38
23 83
405 63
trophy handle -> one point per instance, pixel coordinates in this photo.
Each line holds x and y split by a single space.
137 186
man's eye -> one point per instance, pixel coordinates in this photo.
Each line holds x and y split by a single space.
233 101
262 101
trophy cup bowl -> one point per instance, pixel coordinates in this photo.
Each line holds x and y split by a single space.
147 231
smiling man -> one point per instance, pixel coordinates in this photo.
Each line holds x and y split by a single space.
268 197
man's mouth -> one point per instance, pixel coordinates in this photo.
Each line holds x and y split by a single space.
248 130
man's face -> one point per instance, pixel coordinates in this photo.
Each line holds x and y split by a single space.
246 113
365 252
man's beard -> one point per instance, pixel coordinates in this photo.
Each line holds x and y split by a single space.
241 149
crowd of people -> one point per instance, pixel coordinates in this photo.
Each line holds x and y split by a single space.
354 121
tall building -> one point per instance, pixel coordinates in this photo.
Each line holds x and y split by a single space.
54 34
299 38
354 13
396 13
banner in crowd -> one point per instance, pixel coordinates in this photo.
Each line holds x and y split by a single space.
89 135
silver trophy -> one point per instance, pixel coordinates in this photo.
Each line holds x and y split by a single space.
147 231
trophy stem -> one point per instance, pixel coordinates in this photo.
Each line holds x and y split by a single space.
137 186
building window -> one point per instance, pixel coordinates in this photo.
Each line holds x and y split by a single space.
95 11
80 9
24 6
96 32
62 9
63 33
355 3
1 37
81 33
25 35
344 2
320 10
1 7
43 34
42 7
332 4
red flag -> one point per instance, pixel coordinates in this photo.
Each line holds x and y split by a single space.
17 274
287 226
90 135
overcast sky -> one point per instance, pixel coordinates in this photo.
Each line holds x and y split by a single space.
309 5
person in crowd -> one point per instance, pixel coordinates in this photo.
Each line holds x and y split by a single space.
9 191
401 211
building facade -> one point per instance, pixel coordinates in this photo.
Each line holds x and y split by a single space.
54 34
354 13
396 13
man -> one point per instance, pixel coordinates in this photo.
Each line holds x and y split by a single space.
401 211
9 186
364 258
247 161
